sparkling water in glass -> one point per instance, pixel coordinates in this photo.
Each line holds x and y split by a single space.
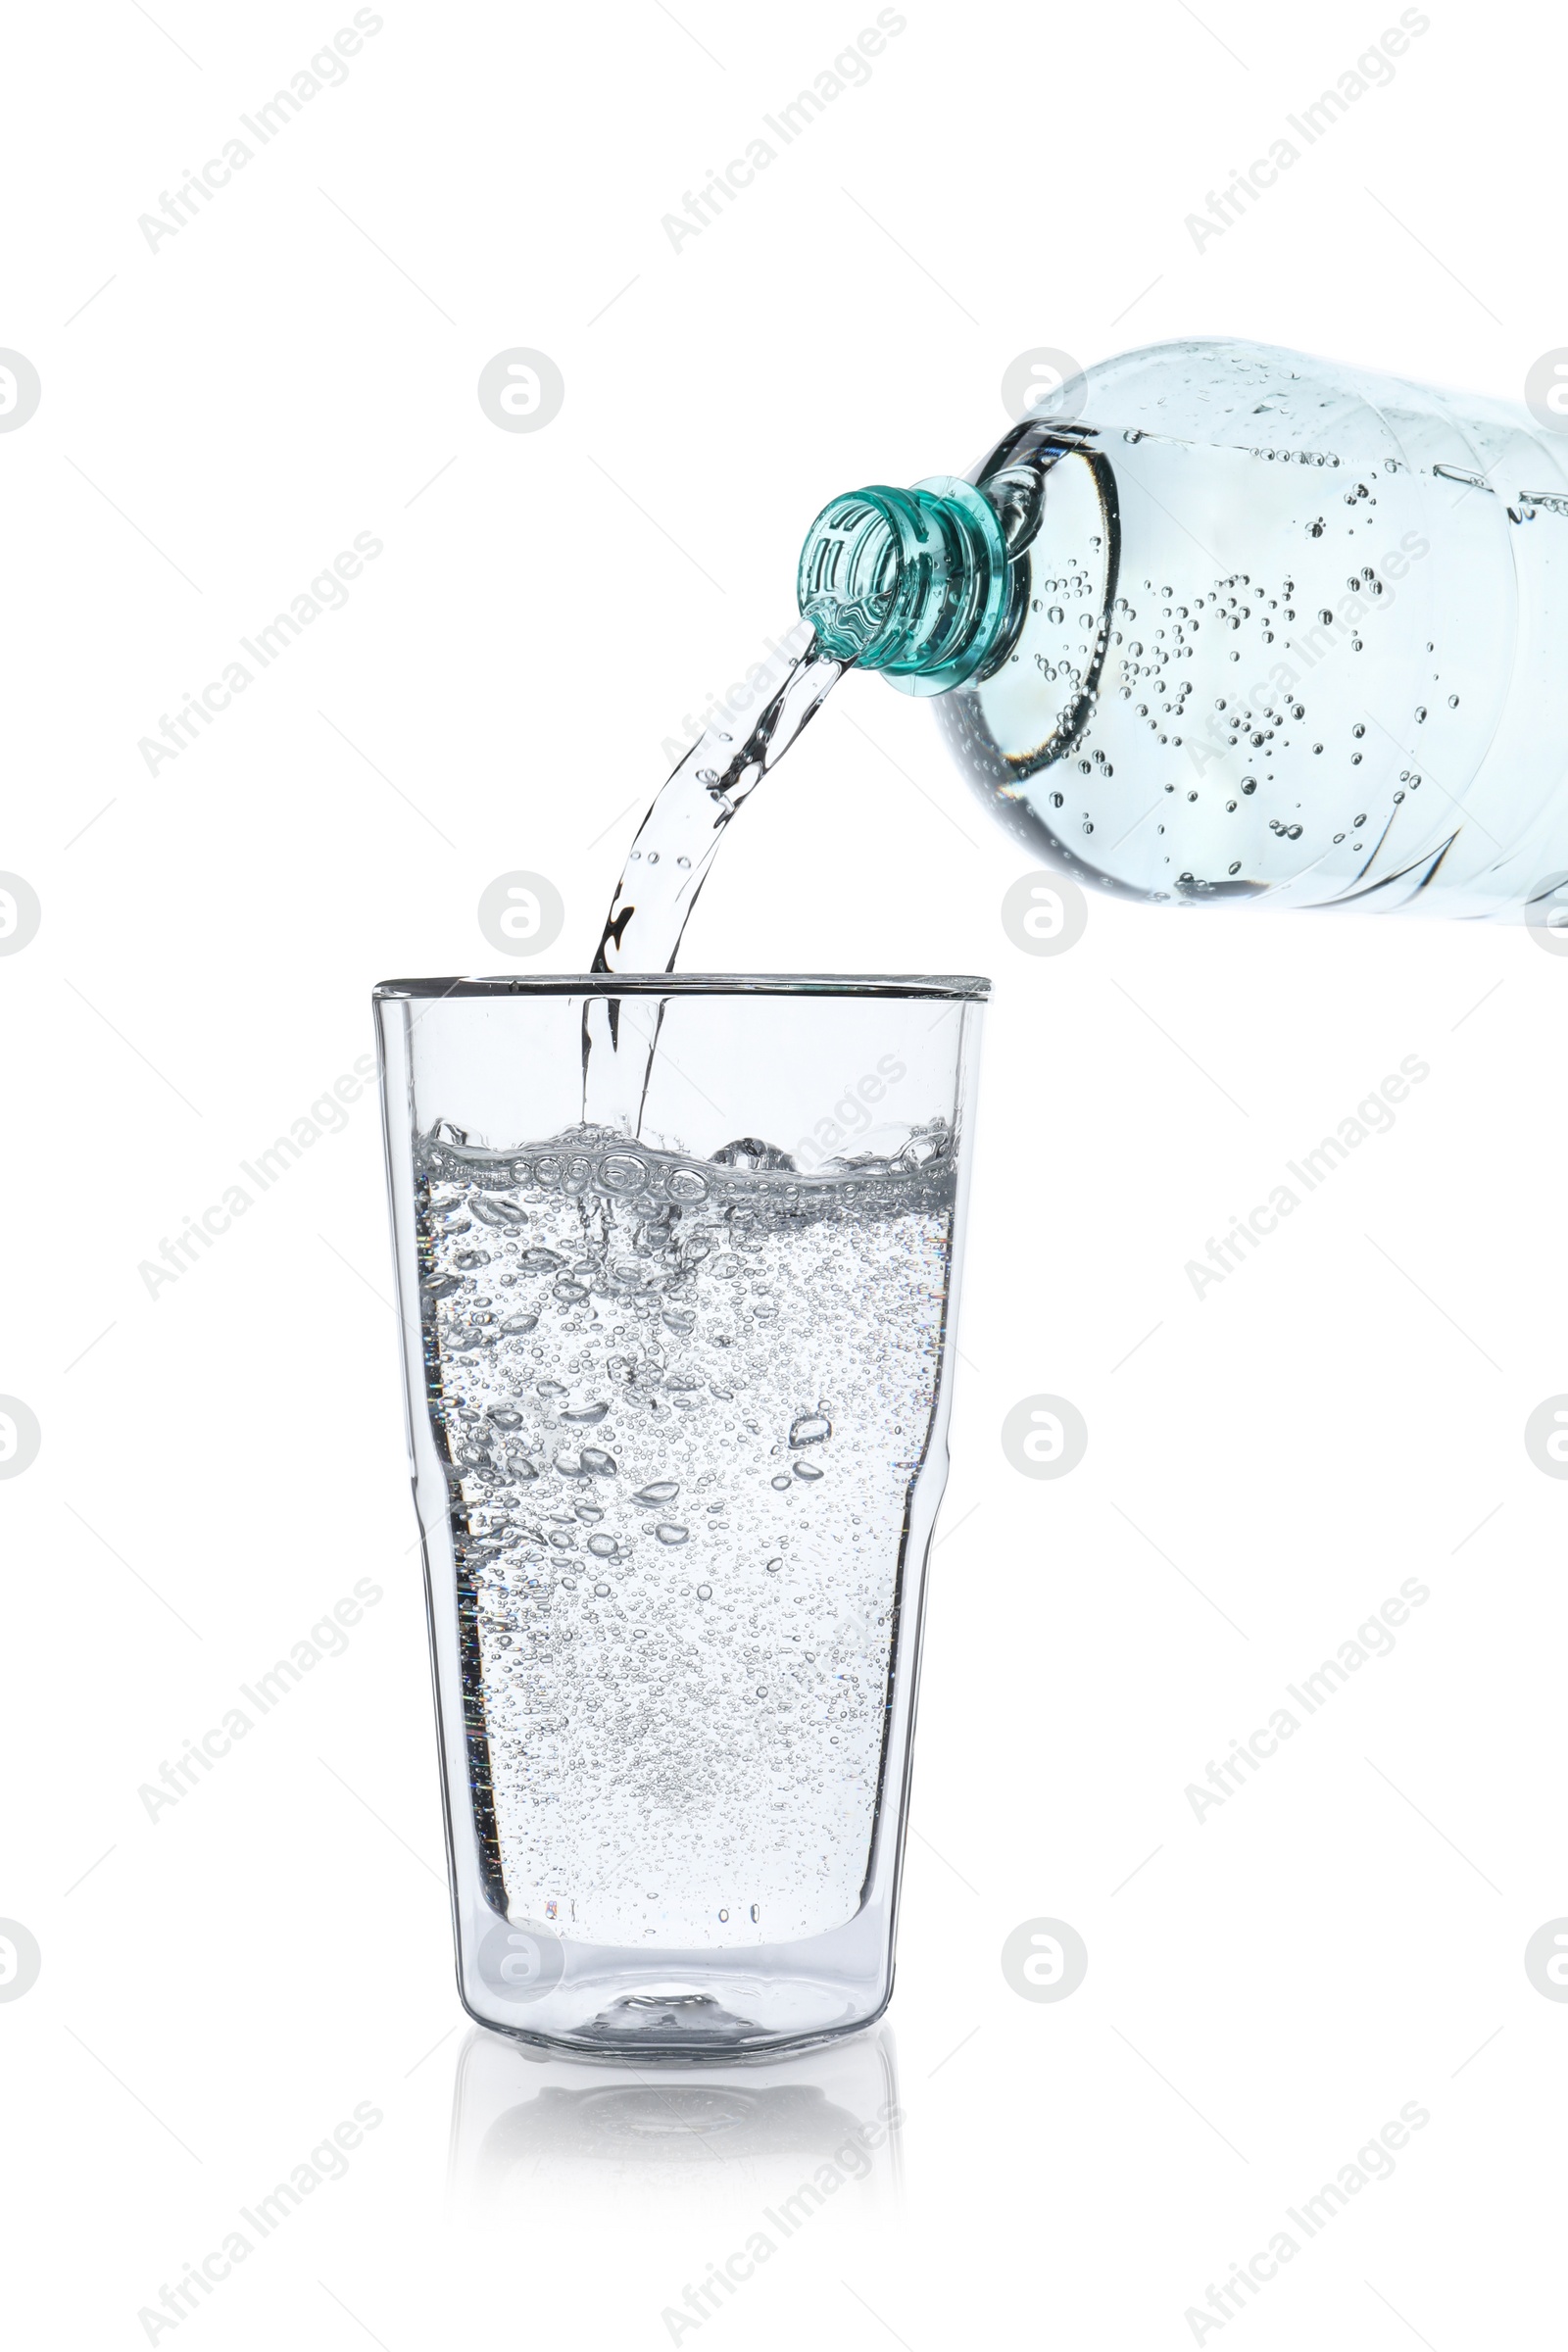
677 1412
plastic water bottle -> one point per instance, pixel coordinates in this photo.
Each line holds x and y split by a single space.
1220 622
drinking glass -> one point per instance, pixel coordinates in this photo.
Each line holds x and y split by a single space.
677 1404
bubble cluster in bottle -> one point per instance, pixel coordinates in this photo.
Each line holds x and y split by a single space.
682 1403
1176 726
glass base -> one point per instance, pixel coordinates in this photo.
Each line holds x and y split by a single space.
593 2001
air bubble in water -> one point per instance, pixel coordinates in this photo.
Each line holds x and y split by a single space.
503 1215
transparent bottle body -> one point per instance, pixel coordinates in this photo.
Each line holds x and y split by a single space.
1280 629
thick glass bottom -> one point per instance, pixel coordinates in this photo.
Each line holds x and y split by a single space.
592 2001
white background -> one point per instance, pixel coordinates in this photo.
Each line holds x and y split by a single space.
219 1463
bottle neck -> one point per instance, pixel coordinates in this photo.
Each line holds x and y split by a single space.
911 582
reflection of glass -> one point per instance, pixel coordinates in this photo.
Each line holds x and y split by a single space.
677 1415
528 2127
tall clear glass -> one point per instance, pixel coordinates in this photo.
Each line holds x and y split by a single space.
677 1413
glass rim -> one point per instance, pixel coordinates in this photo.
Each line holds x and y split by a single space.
963 988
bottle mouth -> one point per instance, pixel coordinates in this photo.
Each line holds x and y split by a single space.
911 582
